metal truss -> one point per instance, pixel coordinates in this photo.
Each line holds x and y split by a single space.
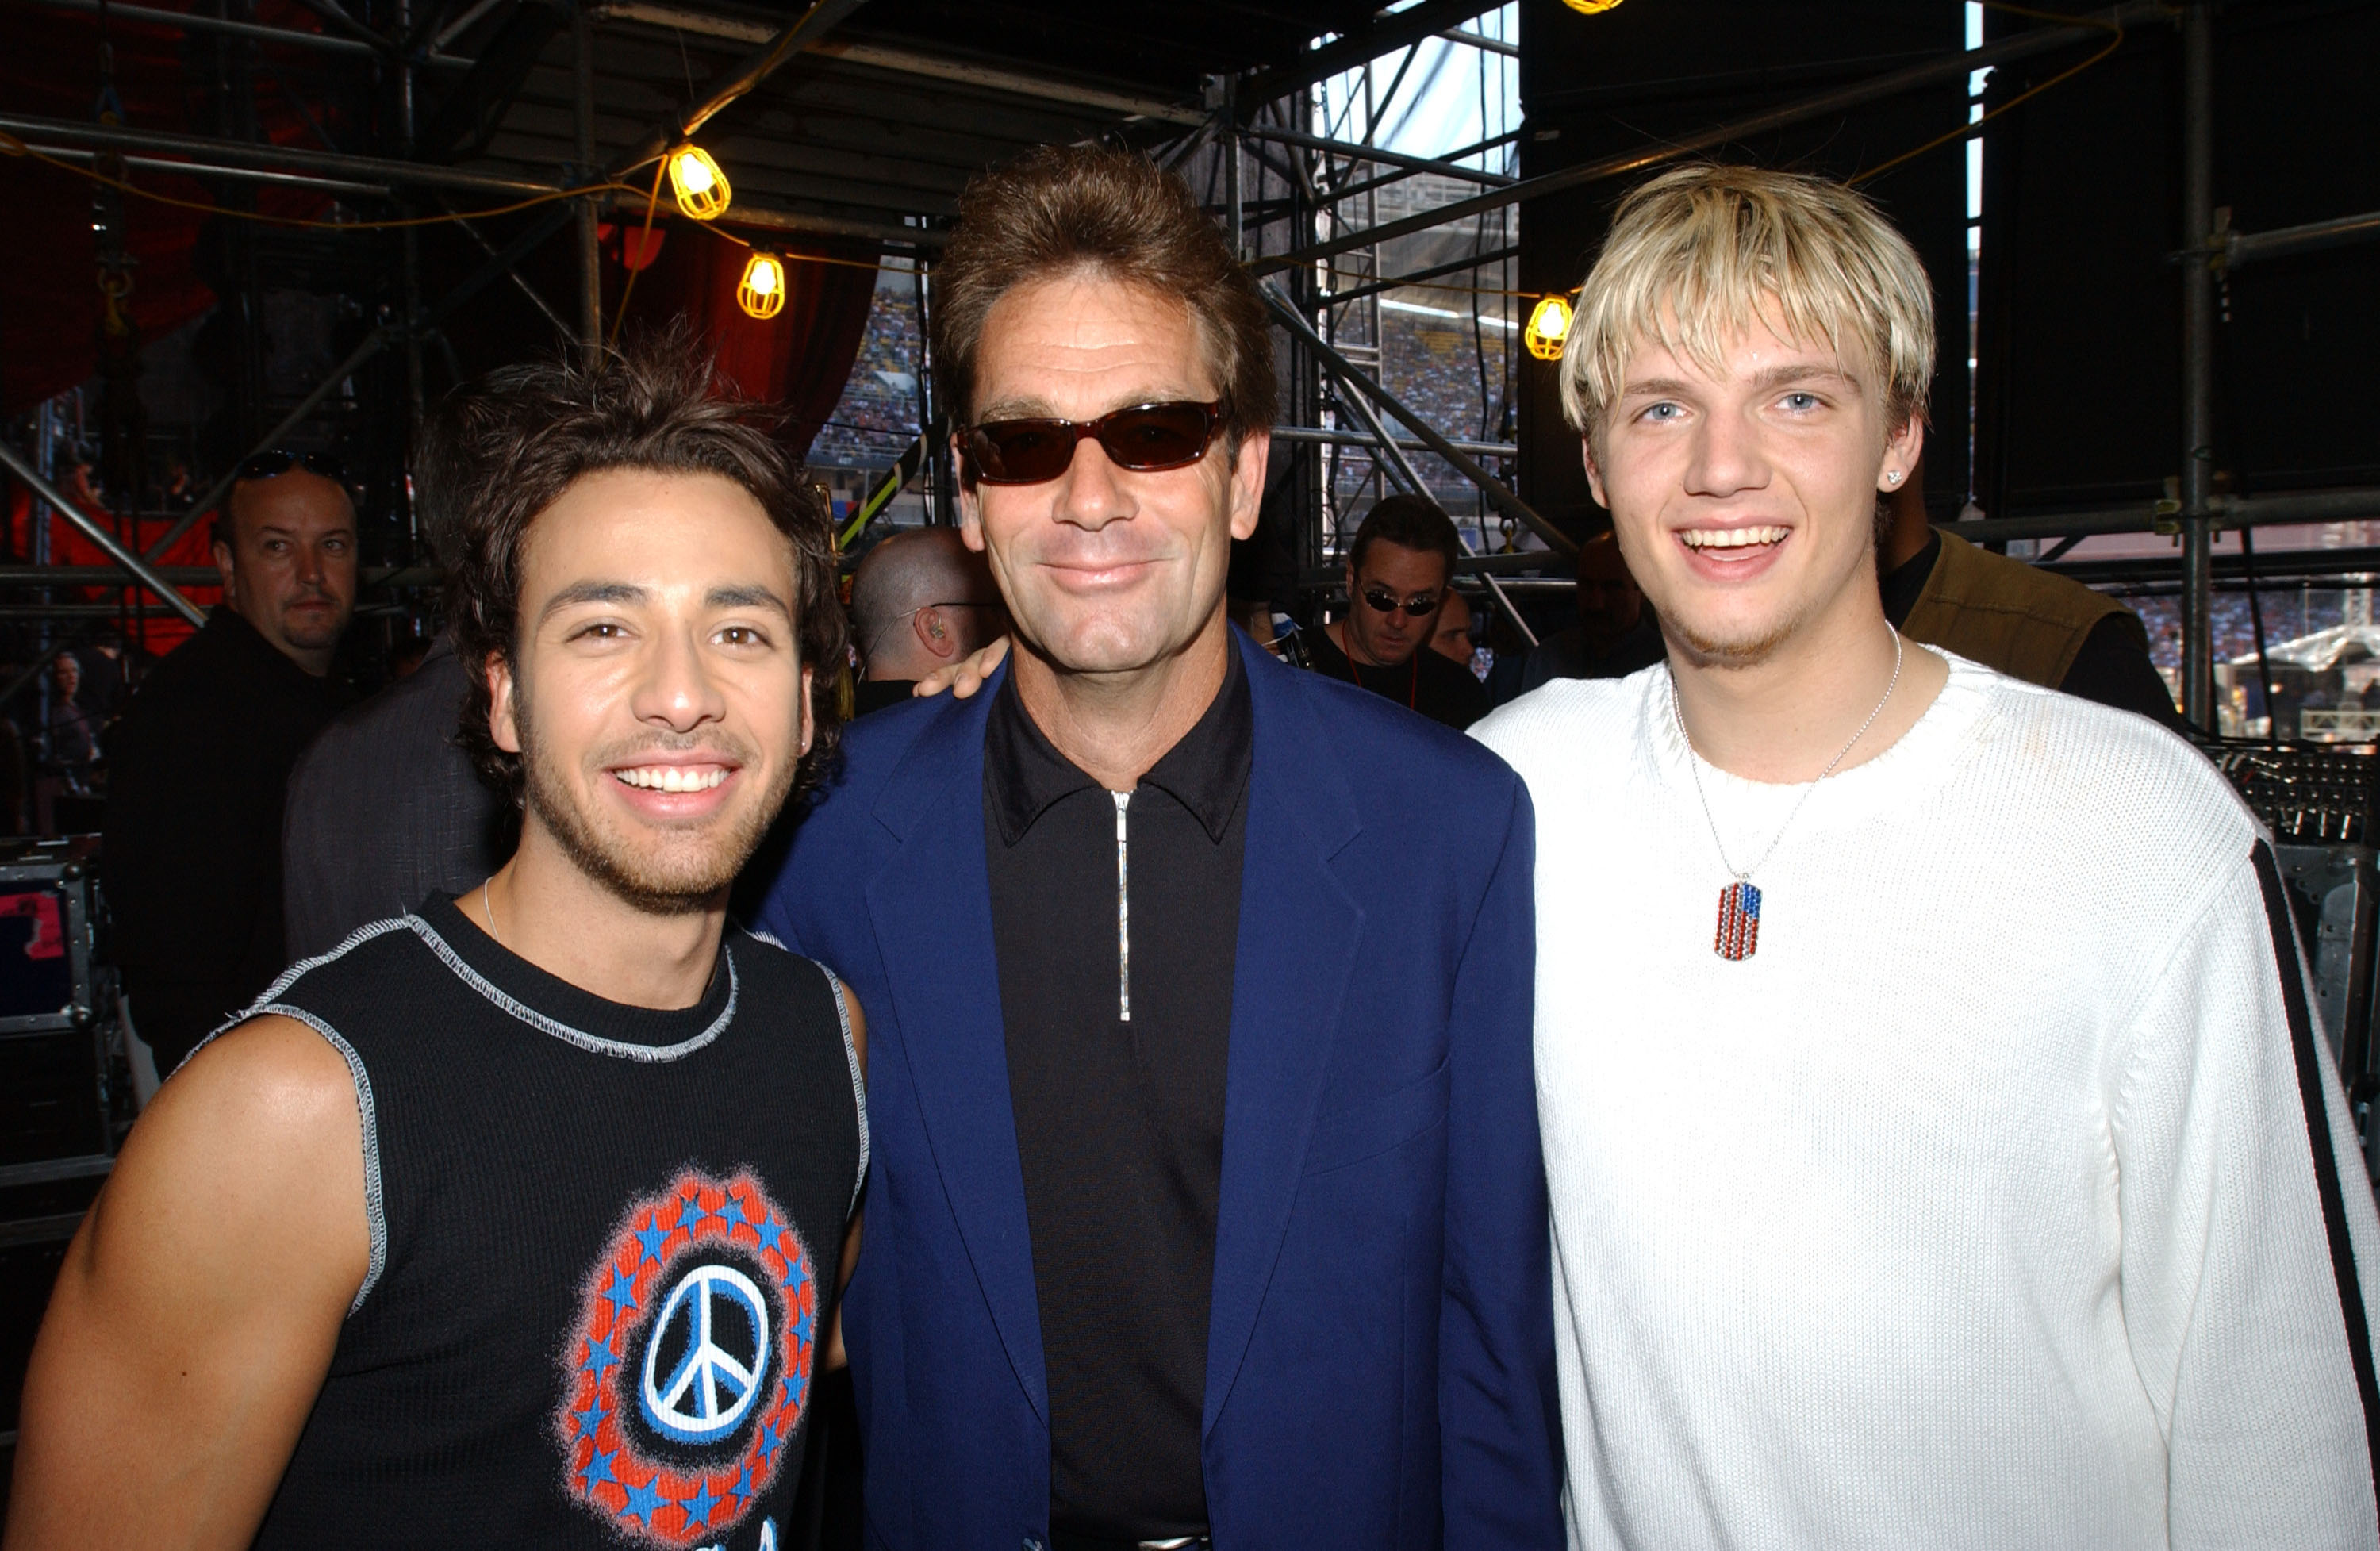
1949 66
91 528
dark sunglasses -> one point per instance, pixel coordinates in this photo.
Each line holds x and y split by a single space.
1144 438
1384 602
273 464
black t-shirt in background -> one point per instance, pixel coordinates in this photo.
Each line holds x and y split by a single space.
1438 687
191 840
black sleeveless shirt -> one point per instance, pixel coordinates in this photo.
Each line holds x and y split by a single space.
603 1247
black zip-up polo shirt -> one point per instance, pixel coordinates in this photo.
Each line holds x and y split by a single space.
1115 918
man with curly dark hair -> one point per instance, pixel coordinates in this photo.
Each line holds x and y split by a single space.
516 1220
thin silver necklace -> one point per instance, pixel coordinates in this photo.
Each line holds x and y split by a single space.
490 905
1739 904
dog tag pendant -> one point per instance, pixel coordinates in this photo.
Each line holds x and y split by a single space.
1739 921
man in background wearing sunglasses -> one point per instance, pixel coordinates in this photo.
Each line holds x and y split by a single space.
198 765
1398 572
1207 1207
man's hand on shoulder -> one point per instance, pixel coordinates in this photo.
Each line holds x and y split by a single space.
200 1303
966 675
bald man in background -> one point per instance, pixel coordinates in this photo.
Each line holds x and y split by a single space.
920 600
191 840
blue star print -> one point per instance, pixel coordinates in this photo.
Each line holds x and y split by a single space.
599 1358
597 1471
644 1502
699 1506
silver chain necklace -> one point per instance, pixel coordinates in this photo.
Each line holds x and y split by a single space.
1739 904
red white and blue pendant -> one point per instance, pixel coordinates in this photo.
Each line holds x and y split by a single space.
1739 921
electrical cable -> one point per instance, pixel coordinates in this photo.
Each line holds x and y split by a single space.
11 145
643 248
1973 127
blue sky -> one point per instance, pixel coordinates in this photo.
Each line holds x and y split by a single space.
1453 95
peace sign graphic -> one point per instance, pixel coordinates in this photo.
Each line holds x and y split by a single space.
686 1378
711 1388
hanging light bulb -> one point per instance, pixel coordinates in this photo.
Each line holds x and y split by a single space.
701 188
762 294
1549 326
1591 8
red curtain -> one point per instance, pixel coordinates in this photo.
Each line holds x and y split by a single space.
49 293
164 629
802 356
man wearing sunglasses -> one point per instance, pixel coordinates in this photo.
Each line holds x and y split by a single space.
198 765
1207 1207
1397 574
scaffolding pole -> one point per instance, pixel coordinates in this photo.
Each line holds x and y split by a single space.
499 263
1401 472
2248 247
1386 158
1949 66
96 531
2226 511
799 34
229 175
194 24
1398 281
2198 366
1310 436
590 259
1346 370
210 151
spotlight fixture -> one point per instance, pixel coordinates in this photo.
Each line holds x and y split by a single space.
701 188
762 294
1592 8
1549 326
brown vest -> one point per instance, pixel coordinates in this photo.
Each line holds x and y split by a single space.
2029 623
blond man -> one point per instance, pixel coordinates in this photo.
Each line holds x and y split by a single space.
1940 1148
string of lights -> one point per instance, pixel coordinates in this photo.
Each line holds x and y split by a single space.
701 191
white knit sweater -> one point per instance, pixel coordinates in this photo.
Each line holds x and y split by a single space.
1978 1207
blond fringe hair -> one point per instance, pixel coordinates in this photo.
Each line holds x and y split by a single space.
1702 254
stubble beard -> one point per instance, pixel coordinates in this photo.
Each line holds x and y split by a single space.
674 885
1710 652
314 638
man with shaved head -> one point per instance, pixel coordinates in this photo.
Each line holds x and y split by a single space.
920 600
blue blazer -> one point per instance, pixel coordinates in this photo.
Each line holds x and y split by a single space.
1380 1354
